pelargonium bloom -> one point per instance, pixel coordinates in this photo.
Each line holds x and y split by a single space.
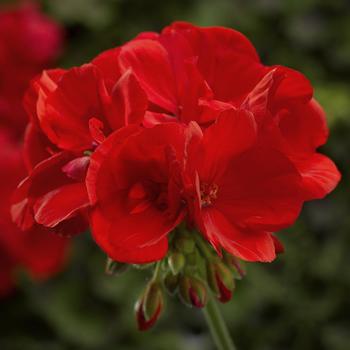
185 125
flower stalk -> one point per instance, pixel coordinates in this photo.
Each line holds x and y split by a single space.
217 326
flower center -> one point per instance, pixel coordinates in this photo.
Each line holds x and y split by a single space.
146 193
208 193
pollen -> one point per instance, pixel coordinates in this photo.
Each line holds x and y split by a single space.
208 194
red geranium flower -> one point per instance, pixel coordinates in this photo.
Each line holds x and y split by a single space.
234 154
134 181
243 190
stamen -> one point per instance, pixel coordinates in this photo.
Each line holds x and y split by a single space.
208 193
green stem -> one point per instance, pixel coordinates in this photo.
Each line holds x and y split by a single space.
157 272
217 326
203 247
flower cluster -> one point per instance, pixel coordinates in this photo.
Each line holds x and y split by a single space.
29 42
185 126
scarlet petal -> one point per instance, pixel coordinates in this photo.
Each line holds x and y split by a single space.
37 146
233 133
65 114
126 240
150 63
129 102
245 244
279 248
106 62
114 141
50 202
320 175
257 101
60 204
305 127
226 59
295 87
152 118
38 90
262 189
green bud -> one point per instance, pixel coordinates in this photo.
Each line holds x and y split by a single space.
149 306
152 300
114 267
171 283
220 280
185 244
193 291
176 262
237 266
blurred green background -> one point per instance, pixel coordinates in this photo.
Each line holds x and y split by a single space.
301 301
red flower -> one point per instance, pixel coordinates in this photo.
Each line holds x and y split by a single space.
183 125
134 181
29 42
244 190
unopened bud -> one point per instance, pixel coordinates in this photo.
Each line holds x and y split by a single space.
193 291
185 244
220 280
171 283
176 262
237 266
114 267
149 306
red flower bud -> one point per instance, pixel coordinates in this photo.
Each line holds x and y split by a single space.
193 292
237 266
149 306
220 280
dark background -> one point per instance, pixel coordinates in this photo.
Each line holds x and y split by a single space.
302 300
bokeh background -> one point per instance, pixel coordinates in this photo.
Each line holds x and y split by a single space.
299 302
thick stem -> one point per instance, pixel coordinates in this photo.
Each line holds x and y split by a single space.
217 326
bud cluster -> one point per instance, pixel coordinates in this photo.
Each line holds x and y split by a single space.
191 270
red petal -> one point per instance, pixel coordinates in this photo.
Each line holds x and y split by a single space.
304 127
232 134
150 63
37 146
244 244
113 238
107 64
227 60
60 204
66 113
278 245
261 189
320 175
129 102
